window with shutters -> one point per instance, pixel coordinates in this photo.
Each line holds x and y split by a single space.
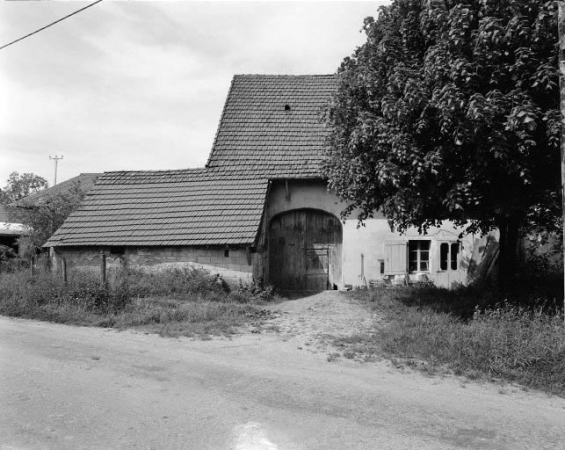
419 256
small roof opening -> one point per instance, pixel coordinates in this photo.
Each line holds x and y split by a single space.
287 107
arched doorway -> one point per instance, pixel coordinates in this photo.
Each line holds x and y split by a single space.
305 250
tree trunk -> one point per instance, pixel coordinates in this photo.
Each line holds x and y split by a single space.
508 257
561 28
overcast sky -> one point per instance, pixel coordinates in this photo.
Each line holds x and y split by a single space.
141 85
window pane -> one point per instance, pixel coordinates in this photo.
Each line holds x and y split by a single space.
425 256
444 255
419 256
454 253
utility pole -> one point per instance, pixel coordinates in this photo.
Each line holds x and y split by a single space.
56 159
562 90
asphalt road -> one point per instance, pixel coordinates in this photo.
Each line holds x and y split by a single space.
84 388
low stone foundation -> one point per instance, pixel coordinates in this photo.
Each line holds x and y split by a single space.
232 264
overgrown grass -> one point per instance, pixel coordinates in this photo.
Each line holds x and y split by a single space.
470 331
173 303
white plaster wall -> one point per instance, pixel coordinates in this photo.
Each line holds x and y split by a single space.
368 239
302 194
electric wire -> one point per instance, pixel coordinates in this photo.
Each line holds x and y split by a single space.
50 25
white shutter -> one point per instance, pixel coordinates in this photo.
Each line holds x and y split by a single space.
396 257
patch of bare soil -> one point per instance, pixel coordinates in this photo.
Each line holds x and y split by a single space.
314 322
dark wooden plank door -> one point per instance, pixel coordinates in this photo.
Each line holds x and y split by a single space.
305 250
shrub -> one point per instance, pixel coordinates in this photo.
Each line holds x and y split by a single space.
13 265
255 292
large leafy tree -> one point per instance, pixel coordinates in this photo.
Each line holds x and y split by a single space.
20 186
450 110
43 214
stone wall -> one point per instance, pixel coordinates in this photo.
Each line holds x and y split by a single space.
232 264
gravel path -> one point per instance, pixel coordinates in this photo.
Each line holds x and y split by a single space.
312 322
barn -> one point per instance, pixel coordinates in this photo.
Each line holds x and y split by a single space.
259 208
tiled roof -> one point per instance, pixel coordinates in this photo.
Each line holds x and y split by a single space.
84 180
182 207
271 125
270 128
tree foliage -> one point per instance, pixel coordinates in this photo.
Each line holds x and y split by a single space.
43 215
450 110
20 186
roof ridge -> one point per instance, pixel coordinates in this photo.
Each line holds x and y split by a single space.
82 179
148 172
286 75
175 176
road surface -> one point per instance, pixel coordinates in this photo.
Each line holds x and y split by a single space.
65 387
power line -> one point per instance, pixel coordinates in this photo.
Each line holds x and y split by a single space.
50 25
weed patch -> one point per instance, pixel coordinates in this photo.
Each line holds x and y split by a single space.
467 332
171 303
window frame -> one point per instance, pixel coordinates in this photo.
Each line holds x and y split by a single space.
449 260
419 251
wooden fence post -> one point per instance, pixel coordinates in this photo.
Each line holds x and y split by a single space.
64 267
102 268
561 26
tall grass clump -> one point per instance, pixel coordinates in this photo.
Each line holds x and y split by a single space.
171 302
173 283
470 331
524 344
38 295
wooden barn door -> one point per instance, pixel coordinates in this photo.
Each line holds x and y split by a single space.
305 250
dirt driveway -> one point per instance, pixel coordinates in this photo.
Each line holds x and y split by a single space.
313 321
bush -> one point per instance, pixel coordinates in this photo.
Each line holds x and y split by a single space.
254 292
13 265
